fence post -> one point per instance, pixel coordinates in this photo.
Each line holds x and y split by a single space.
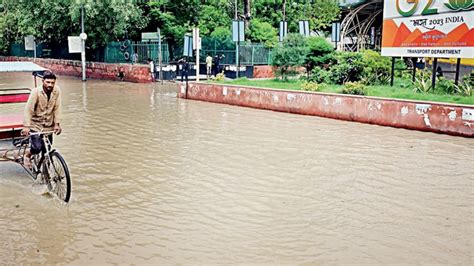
253 53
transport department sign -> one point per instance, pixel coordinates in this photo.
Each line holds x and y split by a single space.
428 28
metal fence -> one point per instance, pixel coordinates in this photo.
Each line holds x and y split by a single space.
140 52
135 52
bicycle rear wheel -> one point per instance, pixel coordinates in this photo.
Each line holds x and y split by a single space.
59 177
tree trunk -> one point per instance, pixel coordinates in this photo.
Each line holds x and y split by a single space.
247 13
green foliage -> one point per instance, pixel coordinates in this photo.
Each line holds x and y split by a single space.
466 85
349 67
320 13
323 13
376 68
211 18
106 22
174 18
319 75
312 86
263 32
223 36
320 52
445 86
469 78
8 29
52 21
399 65
292 53
422 82
355 88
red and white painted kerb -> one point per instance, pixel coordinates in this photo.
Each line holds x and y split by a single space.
443 118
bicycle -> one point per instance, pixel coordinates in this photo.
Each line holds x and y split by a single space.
48 167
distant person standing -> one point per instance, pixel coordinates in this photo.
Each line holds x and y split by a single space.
219 67
214 65
209 65
134 58
152 69
185 70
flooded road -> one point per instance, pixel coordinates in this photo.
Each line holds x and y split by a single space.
163 180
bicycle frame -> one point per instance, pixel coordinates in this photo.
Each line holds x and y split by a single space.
17 153
43 155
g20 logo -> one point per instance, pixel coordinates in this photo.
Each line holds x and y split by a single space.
455 5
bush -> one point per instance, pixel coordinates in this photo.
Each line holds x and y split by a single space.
399 65
221 36
446 86
292 53
422 82
355 88
320 52
319 75
465 88
469 78
376 68
349 68
312 86
263 32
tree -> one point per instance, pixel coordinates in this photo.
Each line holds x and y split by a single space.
320 52
222 36
292 53
211 18
263 32
105 22
52 21
174 18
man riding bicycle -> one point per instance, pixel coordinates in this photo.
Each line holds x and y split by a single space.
42 113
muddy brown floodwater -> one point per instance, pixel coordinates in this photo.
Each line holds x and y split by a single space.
162 180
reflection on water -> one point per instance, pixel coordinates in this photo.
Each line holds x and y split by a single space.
158 179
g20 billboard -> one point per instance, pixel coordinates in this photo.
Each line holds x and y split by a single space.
428 28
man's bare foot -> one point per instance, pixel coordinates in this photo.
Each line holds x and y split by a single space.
27 162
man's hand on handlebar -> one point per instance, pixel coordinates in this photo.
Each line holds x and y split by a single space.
25 131
57 129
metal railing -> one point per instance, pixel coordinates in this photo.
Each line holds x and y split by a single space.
135 52
140 52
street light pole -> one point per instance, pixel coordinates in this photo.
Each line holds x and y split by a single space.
83 45
238 42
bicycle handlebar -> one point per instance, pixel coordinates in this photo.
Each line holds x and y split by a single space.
23 140
41 133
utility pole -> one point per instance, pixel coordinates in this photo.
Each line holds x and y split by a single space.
238 42
159 55
83 44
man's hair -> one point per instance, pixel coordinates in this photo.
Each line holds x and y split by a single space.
48 75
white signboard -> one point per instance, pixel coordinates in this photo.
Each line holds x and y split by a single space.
29 43
283 30
74 44
304 27
336 32
188 46
238 34
428 28
149 36
196 39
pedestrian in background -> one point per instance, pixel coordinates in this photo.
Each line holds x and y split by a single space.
209 65
152 69
185 70
134 58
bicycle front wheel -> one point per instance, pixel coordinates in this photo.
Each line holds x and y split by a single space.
59 177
